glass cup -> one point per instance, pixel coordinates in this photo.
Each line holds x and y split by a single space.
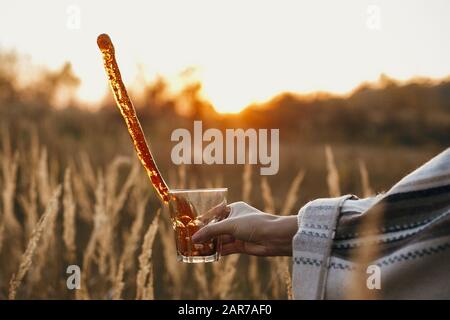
191 210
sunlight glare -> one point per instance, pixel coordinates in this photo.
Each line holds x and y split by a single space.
248 51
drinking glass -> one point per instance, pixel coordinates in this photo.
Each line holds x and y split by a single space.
191 210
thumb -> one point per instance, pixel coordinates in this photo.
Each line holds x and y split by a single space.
213 230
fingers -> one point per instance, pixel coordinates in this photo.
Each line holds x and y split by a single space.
219 212
229 248
243 247
241 208
213 230
227 239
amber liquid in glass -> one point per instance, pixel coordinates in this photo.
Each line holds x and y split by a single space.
186 223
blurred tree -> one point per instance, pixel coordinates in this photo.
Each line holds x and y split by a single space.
54 88
8 77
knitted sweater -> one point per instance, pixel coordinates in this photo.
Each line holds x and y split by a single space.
392 246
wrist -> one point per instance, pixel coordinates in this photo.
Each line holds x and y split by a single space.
283 230
284 227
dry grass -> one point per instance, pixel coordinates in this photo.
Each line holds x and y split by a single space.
69 227
292 195
365 183
27 257
364 255
332 174
103 216
2 232
201 279
11 228
269 202
144 279
224 277
105 220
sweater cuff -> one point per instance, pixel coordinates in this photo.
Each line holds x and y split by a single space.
312 245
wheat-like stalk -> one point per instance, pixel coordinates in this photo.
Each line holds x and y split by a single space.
111 182
247 183
6 141
281 264
127 258
34 147
12 228
367 190
254 277
69 225
114 203
53 172
99 222
364 255
30 206
83 200
29 203
292 195
253 266
269 203
27 257
2 235
87 172
132 241
83 292
332 173
281 268
145 273
279 272
126 261
201 280
174 271
43 179
12 247
224 276
121 197
149 291
9 172
103 238
118 283
45 254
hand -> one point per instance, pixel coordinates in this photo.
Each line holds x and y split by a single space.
250 231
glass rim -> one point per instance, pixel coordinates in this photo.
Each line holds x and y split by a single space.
172 191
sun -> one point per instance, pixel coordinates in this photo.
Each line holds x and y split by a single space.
224 102
228 93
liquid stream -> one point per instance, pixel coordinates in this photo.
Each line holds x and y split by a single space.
185 222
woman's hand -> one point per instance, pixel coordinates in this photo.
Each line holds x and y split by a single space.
250 231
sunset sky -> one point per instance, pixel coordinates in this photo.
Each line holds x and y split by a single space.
243 51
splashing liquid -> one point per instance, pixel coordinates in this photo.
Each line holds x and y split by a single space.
129 115
184 223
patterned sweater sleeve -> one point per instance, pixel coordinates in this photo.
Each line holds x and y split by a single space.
392 246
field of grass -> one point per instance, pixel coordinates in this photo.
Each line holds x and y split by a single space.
105 218
72 191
